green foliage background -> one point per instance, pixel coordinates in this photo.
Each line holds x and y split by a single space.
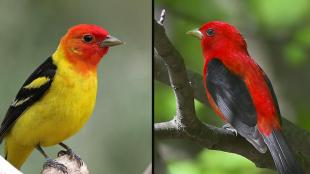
117 138
278 37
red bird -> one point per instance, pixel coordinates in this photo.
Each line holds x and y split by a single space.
241 93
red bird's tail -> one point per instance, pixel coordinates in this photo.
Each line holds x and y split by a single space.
281 153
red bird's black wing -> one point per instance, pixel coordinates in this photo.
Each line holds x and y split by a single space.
230 94
233 99
28 96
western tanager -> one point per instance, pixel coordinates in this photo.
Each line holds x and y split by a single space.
59 96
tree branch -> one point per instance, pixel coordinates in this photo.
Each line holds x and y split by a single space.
71 164
159 164
187 85
148 169
7 168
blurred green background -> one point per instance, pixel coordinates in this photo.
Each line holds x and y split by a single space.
117 138
278 37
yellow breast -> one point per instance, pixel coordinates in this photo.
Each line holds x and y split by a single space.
62 111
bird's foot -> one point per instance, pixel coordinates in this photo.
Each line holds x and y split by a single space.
72 155
230 128
50 163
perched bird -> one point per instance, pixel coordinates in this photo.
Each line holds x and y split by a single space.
58 98
240 92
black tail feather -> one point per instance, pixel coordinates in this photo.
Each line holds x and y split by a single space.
282 155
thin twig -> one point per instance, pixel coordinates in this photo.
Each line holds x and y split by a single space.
162 17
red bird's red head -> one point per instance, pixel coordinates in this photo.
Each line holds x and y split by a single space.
84 45
218 36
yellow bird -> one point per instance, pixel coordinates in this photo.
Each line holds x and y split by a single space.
58 98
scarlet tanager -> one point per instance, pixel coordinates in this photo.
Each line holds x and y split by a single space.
241 93
58 98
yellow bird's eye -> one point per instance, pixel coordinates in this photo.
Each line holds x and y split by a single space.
87 38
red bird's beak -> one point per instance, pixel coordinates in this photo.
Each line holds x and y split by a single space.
110 41
196 33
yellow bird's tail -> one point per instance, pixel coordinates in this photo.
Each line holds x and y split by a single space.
16 154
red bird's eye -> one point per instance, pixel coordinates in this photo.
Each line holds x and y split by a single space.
87 38
210 32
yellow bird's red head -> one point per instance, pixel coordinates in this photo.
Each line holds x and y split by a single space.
84 45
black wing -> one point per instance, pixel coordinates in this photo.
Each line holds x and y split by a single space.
230 94
232 97
27 96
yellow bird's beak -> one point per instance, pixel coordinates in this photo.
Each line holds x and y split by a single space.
111 41
196 33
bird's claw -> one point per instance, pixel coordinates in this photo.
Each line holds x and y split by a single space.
54 164
72 155
230 128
